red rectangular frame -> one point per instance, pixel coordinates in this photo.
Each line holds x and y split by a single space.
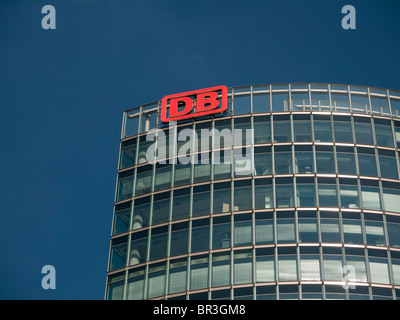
222 108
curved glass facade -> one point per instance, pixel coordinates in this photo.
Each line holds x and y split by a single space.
305 206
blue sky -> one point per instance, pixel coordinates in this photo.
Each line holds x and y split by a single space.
63 92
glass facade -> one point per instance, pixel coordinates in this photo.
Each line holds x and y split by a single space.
305 206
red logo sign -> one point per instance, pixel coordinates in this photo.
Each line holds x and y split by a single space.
193 104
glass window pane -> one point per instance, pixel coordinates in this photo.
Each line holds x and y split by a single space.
263 194
379 270
302 130
309 267
322 129
305 195
300 101
221 270
287 268
200 235
349 196
370 196
160 208
131 125
360 272
222 164
343 132
201 201
158 243
262 129
202 169
118 255
242 197
156 281
138 250
243 268
346 163
179 241
124 188
180 204
320 101
261 102
391 199
122 217
222 198
264 230
384 135
285 231
280 101
352 231
198 273
325 162
333 266
136 285
304 162
340 101
143 180
284 196
162 178
177 276
221 237
396 271
360 103
367 165
388 166
242 104
363 131
327 195
380 105
374 233
262 162
308 230
242 231
282 131
128 154
182 174
395 106
330 230
242 159
265 268
283 163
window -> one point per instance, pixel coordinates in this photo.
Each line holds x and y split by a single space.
222 197
380 105
287 264
201 200
261 102
200 235
367 162
162 178
264 227
333 264
320 101
143 180
128 154
352 229
356 258
284 197
283 160
199 272
309 264
345 160
262 161
349 193
383 133
280 101
125 185
304 161
374 231
305 192
330 227
136 284
202 167
131 125
222 164
265 265
308 226
388 164
158 243
322 128
182 174
285 227
262 129
221 269
160 208
379 269
391 196
300 101
156 280
363 130
242 231
243 195
177 276
301 128
325 159
242 103
282 131
327 192
181 204
340 101
370 197
138 250
122 217
342 127
242 162
360 103
263 193
119 249
179 238
221 232
243 267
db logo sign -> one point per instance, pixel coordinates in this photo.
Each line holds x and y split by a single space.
193 104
